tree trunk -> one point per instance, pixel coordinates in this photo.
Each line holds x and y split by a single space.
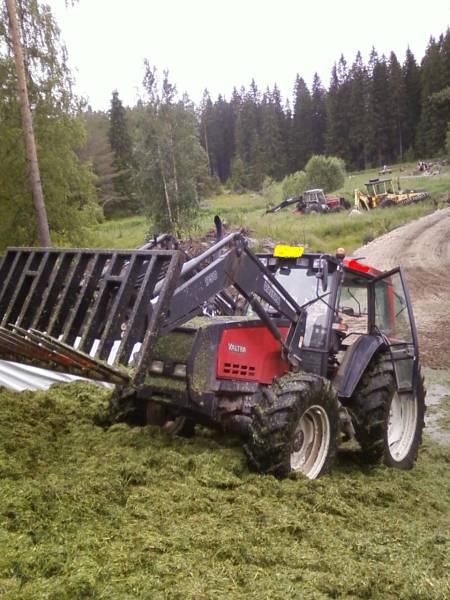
166 191
205 130
175 177
27 127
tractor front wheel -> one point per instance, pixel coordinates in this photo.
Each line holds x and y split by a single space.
162 416
295 427
388 424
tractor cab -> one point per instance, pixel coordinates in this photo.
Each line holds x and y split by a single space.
313 201
351 309
380 188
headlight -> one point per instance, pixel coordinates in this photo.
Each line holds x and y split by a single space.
156 366
179 370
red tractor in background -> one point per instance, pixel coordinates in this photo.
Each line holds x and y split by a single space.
313 201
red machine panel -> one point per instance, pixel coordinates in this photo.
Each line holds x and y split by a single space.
250 354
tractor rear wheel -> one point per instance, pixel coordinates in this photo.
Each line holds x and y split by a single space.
295 428
388 424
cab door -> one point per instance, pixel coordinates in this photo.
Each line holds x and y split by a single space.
391 315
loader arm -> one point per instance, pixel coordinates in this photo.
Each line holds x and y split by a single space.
241 268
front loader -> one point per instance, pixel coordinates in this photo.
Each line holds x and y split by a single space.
295 352
384 193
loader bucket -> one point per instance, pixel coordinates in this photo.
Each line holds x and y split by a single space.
92 313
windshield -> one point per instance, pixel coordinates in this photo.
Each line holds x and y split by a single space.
301 284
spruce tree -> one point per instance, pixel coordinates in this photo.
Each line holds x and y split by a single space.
222 144
338 110
119 137
411 77
379 112
398 107
318 117
247 136
272 152
358 131
302 124
432 126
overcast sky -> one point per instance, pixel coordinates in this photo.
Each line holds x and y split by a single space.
220 44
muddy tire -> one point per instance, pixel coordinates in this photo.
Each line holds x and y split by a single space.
173 424
387 203
388 425
309 210
124 407
295 428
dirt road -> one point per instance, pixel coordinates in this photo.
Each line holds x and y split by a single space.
423 249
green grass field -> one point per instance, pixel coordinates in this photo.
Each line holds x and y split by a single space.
129 513
321 232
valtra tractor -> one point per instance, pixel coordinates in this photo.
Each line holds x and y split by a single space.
294 351
312 201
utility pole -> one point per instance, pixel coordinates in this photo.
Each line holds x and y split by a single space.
27 127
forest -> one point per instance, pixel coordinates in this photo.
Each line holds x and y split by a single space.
161 157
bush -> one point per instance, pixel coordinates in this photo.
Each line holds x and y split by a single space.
294 185
271 192
327 172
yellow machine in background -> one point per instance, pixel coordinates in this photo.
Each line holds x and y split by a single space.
384 193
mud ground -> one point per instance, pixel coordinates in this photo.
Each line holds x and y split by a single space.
423 249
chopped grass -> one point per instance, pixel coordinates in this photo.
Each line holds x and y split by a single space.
119 512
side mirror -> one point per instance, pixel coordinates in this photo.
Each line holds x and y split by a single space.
322 273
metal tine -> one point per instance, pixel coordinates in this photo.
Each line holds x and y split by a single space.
91 327
73 327
67 295
19 346
81 359
142 306
13 309
46 263
117 313
45 310
25 344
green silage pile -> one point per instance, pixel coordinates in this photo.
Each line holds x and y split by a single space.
121 513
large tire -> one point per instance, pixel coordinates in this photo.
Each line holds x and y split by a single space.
387 425
387 203
295 428
309 210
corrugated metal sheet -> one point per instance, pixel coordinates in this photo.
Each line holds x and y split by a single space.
20 377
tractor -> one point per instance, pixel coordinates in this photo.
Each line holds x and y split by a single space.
313 201
296 352
385 193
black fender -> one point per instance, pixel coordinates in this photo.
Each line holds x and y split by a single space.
356 360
